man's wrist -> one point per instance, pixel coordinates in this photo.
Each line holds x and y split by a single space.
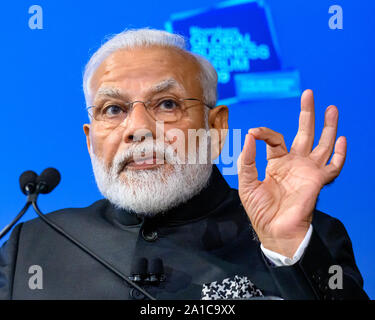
281 260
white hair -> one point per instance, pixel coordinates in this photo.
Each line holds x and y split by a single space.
145 38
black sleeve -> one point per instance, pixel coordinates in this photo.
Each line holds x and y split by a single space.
8 255
309 278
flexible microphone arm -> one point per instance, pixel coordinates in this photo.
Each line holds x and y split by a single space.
27 181
15 220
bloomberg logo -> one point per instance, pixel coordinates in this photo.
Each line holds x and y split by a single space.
237 37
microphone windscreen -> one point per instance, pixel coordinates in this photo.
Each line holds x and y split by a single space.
156 267
26 178
50 177
139 267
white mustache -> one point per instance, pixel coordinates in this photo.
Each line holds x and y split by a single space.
144 150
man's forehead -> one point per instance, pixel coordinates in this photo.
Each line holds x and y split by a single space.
142 65
147 57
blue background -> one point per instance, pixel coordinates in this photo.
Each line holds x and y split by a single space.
43 108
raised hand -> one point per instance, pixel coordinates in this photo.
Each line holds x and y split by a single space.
281 206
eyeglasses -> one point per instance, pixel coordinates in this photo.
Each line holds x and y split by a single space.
167 109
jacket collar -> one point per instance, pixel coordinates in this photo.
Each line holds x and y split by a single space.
196 208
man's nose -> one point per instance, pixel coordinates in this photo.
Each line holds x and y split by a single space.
139 124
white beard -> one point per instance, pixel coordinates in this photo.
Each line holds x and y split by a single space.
152 191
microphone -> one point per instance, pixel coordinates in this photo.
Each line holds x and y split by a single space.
139 270
27 182
156 271
48 180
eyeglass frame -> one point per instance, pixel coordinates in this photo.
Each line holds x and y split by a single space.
131 104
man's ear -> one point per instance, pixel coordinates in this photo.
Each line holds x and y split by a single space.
86 130
218 125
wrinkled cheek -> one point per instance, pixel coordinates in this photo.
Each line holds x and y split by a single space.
105 144
176 138
195 139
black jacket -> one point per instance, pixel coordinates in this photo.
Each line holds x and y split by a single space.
207 239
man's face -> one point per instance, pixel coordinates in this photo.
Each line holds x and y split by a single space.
143 74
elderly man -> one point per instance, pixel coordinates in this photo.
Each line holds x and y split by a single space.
168 205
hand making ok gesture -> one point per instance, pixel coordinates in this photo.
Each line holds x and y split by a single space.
281 206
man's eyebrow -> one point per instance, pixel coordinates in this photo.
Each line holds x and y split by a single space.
111 92
165 85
